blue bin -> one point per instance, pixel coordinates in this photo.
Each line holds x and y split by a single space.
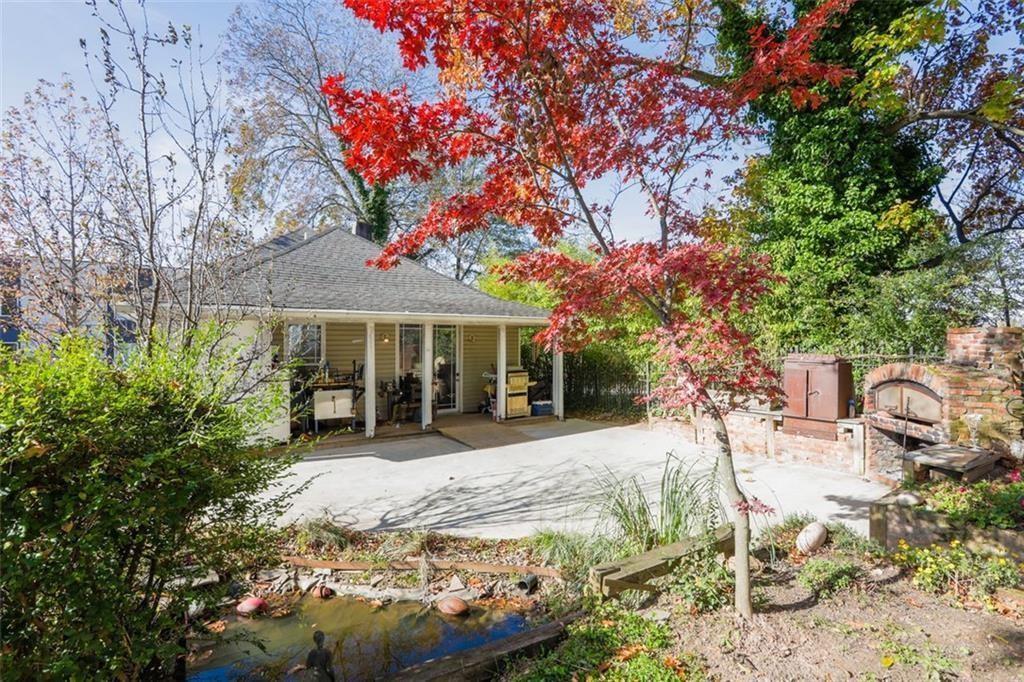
542 409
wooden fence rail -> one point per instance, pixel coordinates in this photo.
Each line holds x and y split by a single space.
632 573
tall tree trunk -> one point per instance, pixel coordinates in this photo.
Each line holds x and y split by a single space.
739 510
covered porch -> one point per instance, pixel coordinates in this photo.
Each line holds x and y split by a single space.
375 373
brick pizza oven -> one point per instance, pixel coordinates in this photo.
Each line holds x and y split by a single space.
908 406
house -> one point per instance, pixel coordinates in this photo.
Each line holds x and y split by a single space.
363 336
101 319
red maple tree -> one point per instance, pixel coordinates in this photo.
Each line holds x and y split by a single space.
557 95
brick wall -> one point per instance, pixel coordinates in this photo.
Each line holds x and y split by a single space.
759 434
995 350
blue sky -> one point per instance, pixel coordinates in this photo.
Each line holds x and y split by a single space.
39 39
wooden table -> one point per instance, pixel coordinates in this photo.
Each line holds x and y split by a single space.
948 461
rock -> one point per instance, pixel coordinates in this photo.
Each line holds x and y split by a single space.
306 584
658 615
211 578
452 606
251 606
270 575
195 608
909 499
811 538
322 592
376 579
456 584
883 574
322 571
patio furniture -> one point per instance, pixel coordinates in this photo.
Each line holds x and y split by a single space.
958 462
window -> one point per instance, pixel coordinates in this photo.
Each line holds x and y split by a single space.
409 349
305 343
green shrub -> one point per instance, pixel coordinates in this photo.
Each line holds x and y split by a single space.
998 504
120 483
703 583
955 569
828 577
611 643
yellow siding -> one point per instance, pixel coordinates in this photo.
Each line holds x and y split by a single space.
346 341
479 355
343 343
385 352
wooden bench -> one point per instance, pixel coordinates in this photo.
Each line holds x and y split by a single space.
632 573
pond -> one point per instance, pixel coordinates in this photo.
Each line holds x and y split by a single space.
365 643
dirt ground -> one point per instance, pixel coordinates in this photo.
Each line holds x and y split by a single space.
883 630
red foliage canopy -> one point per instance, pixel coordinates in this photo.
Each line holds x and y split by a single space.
555 95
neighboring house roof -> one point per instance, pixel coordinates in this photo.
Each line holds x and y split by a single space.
327 271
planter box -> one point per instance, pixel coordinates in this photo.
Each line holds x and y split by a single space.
920 527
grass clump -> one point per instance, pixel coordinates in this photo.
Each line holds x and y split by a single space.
573 553
611 643
688 505
828 577
779 539
321 536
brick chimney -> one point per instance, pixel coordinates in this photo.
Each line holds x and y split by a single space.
996 350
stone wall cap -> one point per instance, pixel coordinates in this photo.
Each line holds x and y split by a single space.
1000 329
814 357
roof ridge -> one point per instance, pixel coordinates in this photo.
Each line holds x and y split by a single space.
274 254
472 288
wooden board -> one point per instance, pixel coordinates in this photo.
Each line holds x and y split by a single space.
484 662
614 577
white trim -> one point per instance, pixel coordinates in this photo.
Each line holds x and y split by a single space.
458 370
370 381
409 318
426 375
558 384
502 369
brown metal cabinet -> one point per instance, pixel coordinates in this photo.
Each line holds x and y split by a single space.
818 390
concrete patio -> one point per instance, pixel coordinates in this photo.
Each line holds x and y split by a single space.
548 482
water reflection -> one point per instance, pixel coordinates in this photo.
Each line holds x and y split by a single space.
365 643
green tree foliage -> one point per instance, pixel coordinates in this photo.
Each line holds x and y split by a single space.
121 485
841 202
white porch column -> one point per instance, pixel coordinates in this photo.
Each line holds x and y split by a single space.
502 369
427 383
370 380
558 383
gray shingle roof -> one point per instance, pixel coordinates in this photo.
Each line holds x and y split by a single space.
328 271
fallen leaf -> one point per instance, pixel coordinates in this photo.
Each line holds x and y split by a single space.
217 626
888 661
627 652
